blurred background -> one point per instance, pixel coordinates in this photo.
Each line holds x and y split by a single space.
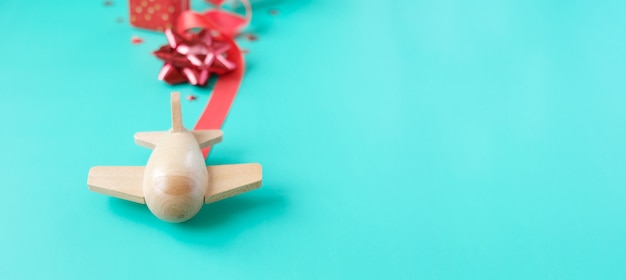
399 139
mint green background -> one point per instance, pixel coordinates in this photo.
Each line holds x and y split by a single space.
400 140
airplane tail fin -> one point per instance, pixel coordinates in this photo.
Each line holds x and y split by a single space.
205 138
177 118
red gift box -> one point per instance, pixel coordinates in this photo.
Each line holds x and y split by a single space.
156 14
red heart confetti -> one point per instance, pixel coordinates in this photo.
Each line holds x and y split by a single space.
191 97
251 37
136 40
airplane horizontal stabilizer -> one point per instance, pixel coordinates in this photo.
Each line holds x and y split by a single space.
148 139
207 138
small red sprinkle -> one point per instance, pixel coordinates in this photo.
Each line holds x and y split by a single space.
119 20
251 37
191 97
273 12
244 51
136 40
108 3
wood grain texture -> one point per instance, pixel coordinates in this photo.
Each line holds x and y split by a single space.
123 182
230 180
177 118
175 179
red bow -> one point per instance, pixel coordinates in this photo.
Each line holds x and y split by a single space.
193 57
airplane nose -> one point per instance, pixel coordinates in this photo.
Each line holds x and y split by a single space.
178 198
179 210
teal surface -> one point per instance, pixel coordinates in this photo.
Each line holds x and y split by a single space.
399 140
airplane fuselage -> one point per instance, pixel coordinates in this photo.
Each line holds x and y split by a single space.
176 178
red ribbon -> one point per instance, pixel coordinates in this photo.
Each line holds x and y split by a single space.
226 22
227 85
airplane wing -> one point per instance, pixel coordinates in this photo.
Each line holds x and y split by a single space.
233 179
123 182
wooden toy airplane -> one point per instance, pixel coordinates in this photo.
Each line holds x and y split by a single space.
175 182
